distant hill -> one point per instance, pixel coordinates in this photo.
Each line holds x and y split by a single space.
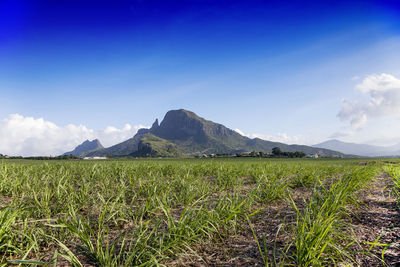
193 135
85 148
360 149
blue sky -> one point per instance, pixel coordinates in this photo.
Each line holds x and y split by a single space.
276 69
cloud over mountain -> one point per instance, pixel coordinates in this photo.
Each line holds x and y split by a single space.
28 136
380 96
279 137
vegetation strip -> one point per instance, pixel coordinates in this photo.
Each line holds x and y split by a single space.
150 212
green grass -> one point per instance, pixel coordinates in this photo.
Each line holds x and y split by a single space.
151 212
320 236
394 172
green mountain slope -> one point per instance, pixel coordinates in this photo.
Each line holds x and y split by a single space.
153 146
122 149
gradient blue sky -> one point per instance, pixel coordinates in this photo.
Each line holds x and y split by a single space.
265 67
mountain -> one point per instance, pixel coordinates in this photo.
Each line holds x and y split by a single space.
153 146
85 148
360 149
193 135
122 149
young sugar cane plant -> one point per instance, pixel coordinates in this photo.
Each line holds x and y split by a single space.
319 231
166 212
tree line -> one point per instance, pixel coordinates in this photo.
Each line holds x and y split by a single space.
65 157
276 153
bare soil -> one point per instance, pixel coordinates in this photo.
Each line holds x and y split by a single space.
378 221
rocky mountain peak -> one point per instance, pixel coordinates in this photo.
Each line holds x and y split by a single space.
85 147
155 125
94 144
180 124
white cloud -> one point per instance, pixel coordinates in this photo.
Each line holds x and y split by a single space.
341 134
240 132
28 136
112 135
280 137
380 97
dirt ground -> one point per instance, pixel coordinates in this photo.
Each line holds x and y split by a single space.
378 221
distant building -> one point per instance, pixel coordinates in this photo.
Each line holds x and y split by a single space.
90 158
314 156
